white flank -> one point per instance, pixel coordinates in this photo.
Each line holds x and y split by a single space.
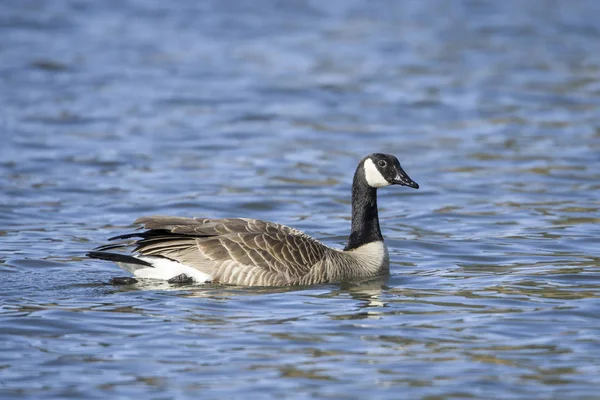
374 254
165 269
373 176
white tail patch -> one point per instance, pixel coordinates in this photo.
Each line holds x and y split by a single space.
165 269
373 176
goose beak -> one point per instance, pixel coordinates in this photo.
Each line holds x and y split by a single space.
403 179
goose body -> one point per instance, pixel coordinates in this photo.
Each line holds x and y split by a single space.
252 252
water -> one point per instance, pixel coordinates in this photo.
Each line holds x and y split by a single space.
116 109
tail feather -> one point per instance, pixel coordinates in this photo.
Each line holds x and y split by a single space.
118 258
143 235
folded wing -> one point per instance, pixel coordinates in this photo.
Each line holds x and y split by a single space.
232 250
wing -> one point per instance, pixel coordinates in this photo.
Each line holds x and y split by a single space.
289 256
225 247
211 227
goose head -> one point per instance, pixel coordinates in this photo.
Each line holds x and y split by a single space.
384 170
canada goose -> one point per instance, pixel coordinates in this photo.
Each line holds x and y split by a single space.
251 252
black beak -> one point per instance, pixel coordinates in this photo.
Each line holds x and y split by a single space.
403 179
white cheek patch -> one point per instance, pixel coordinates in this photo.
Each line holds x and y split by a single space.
373 176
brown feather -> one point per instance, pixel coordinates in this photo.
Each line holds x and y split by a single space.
241 251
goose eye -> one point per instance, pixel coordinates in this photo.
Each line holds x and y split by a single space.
382 163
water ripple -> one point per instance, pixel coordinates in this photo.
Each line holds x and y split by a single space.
112 110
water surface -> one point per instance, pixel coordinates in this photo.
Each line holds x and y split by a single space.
112 110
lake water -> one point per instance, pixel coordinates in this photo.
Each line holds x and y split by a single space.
116 109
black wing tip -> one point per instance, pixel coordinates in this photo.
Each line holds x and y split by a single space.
143 235
103 255
125 236
110 246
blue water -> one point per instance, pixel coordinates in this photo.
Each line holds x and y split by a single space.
116 109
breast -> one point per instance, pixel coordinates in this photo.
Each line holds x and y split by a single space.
374 254
368 260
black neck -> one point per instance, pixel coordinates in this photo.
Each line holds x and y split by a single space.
365 219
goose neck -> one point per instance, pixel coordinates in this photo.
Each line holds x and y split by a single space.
365 218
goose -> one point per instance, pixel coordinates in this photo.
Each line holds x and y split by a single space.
252 252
